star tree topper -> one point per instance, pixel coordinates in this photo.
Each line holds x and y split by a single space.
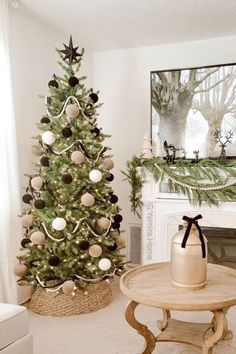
70 52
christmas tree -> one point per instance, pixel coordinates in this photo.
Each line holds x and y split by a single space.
71 219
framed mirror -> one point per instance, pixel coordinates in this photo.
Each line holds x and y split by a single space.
191 107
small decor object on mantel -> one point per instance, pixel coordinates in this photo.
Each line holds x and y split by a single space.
223 140
189 256
147 147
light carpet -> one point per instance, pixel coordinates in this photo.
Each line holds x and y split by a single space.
107 332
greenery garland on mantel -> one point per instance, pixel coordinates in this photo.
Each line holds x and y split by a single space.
206 182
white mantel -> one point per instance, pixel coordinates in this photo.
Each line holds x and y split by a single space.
162 214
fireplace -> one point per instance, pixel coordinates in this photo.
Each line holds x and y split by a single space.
162 215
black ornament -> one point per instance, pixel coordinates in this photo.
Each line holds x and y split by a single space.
73 81
113 199
25 242
70 52
45 119
95 131
53 83
39 204
54 261
93 97
110 177
83 245
67 178
66 132
44 161
115 225
112 247
27 198
118 218
88 111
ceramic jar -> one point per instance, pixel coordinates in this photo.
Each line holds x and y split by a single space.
189 257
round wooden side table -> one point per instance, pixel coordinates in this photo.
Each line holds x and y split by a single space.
151 285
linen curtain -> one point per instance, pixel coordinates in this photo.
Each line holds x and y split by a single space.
9 181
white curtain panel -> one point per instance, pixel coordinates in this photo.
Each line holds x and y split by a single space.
9 181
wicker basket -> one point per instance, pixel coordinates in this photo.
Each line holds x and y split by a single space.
47 303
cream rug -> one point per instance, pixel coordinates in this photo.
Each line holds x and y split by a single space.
107 332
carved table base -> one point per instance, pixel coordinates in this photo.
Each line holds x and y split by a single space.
202 335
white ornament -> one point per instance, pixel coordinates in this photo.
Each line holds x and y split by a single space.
48 138
104 264
147 147
95 176
59 224
36 183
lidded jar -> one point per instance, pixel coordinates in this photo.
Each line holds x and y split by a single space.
189 256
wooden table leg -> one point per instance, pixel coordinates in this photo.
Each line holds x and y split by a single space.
140 328
163 324
220 329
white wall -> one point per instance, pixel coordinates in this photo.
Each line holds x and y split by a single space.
123 78
33 62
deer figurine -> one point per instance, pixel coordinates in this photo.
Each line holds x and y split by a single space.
223 140
170 152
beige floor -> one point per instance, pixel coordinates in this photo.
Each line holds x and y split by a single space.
106 331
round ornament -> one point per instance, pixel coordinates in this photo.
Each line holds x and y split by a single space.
95 176
73 81
37 237
44 161
72 110
59 224
115 225
120 241
112 247
93 97
107 164
25 242
68 287
95 251
27 198
118 218
37 150
36 183
20 270
67 178
83 245
54 261
104 223
110 177
39 204
53 83
48 137
104 264
87 199
66 132
95 131
45 120
113 199
27 220
77 157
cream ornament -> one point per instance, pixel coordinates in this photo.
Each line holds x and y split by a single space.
107 164
36 183
77 157
72 110
68 287
48 138
95 176
59 224
95 251
20 270
104 223
37 237
27 220
120 241
87 199
104 264
37 150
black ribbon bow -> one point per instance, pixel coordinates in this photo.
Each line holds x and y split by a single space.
194 221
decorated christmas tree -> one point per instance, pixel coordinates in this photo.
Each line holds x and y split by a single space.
71 220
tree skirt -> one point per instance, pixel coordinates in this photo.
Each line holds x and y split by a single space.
49 303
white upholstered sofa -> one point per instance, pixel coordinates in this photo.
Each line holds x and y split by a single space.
15 337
